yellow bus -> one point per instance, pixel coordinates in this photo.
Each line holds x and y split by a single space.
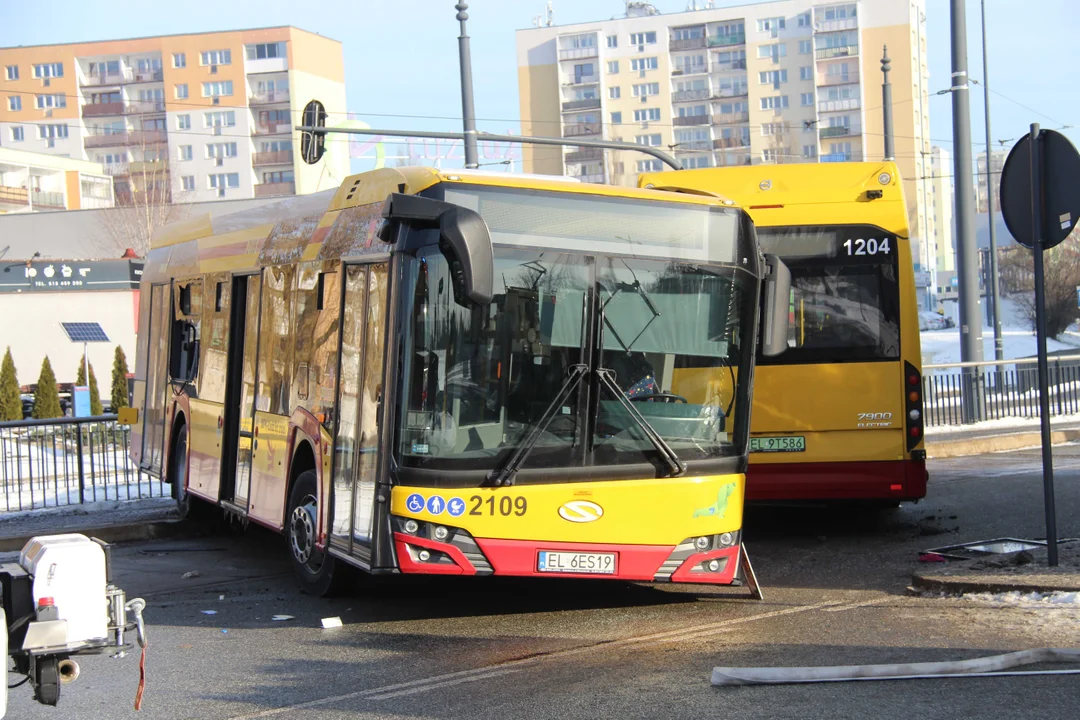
838 415
462 373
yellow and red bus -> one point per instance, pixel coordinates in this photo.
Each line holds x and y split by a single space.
838 415
462 373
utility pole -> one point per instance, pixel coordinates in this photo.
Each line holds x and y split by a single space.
993 288
967 257
468 114
886 104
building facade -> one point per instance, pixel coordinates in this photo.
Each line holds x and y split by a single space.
179 118
36 182
988 184
771 82
941 213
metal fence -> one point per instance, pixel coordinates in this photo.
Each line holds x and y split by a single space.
1006 389
69 461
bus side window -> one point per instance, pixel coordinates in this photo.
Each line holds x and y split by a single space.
184 349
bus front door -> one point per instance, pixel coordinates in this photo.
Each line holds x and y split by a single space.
237 437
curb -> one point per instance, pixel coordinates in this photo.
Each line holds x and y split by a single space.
996 443
152 530
961 585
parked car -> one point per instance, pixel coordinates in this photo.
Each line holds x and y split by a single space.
933 321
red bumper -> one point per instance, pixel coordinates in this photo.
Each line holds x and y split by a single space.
642 563
889 480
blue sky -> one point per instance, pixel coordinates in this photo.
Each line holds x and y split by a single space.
401 62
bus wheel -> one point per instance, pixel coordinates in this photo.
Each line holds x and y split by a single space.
315 568
177 472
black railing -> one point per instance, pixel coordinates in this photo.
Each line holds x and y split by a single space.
69 461
1008 390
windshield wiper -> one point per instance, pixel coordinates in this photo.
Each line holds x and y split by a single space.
505 474
677 466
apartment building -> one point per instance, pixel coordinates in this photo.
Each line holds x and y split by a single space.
770 82
179 118
37 182
985 184
942 202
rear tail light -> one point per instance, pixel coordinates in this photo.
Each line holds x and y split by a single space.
914 416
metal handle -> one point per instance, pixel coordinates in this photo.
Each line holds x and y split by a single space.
136 607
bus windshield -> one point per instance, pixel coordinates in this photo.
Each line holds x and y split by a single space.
845 295
667 332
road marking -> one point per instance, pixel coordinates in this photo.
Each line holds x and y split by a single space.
864 603
507 667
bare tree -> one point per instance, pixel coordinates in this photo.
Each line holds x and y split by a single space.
1061 273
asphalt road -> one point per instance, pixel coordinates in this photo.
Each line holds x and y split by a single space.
835 584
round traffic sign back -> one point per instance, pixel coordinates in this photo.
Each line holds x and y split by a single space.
1060 183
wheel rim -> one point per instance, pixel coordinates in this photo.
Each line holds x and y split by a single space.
302 534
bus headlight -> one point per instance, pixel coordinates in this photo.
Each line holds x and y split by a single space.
702 543
411 526
441 533
914 415
884 178
714 565
726 539
424 555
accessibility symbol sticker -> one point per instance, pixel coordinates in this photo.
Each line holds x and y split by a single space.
456 506
415 502
435 505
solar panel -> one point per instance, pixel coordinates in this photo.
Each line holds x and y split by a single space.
85 332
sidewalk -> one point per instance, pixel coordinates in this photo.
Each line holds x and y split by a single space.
996 436
112 521
1023 572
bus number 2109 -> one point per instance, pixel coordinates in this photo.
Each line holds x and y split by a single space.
867 247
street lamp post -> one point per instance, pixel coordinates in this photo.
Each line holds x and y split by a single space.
468 115
993 288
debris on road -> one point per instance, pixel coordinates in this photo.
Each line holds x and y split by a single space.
282 617
331 622
209 612
191 574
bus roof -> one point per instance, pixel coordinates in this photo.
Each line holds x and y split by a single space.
801 193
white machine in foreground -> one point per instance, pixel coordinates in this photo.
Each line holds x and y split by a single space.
59 601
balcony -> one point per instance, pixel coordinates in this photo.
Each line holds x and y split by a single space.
280 96
833 52
691 95
730 118
727 40
14 196
586 104
116 169
847 78
52 200
728 143
583 80
693 145
595 178
838 131
145 107
688 43
838 105
149 167
732 92
584 155
733 66
274 157
836 25
690 70
148 76
690 120
279 129
579 129
722 161
853 156
99 109
275 188
136 138
578 53
100 79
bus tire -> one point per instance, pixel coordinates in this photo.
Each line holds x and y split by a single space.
178 457
316 570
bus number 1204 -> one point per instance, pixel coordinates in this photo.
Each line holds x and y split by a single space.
867 247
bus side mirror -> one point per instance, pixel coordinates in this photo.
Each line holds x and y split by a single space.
774 338
184 364
464 240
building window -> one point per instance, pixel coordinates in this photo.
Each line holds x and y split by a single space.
278 176
215 89
52 131
774 51
183 122
181 92
772 77
647 115
12 72
616 118
216 57
17 134
48 102
266 50
775 102
224 180
804 20
809 151
771 24
693 111
643 38
772 129
805 47
613 67
188 182
49 70
807 99
613 93
806 73
613 41
644 166
184 152
221 150
697 161
225 118
649 63
770 155
179 60
645 89
14 103
650 140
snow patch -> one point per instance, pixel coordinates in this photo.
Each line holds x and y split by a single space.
1067 600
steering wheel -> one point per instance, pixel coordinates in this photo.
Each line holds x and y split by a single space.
669 397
